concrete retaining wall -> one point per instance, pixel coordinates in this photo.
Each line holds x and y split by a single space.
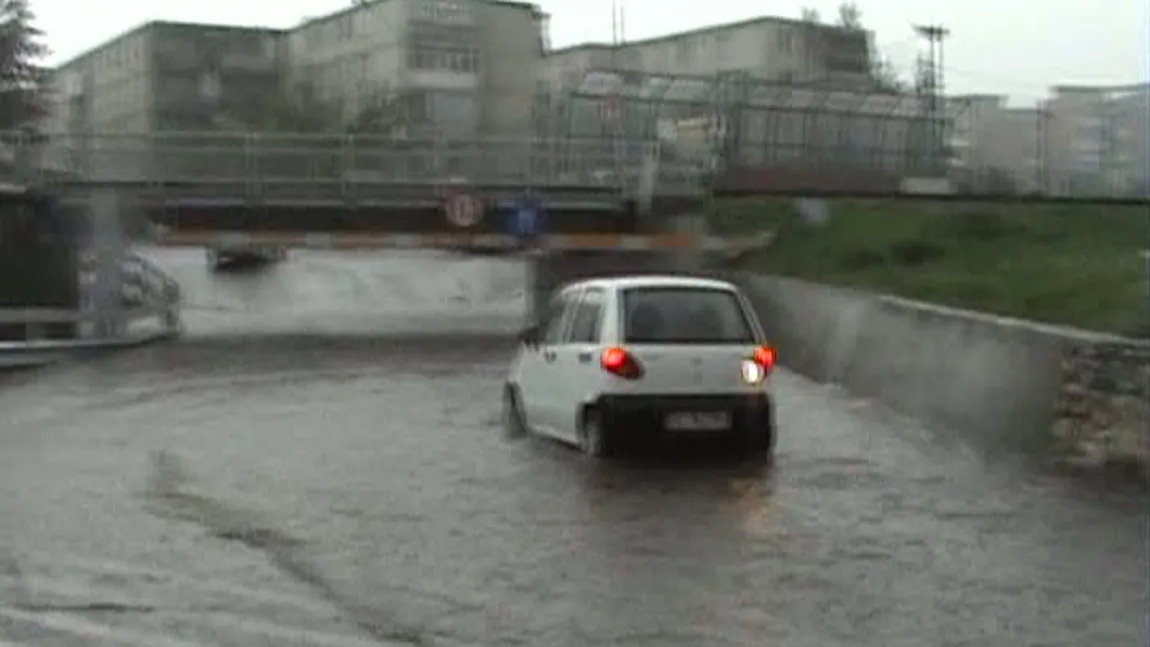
38 260
1011 384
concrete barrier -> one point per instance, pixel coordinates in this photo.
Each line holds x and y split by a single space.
1006 383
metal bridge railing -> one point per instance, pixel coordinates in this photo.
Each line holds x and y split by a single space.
253 159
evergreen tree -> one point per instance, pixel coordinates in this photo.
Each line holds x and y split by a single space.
23 80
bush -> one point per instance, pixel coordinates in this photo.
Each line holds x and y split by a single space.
915 252
1069 264
981 226
863 258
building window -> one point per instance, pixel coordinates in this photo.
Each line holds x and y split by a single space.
446 12
455 113
460 61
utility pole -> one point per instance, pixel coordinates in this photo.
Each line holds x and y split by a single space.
617 37
618 29
934 85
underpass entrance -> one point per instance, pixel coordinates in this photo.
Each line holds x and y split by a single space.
607 161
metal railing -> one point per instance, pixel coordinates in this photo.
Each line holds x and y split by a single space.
254 159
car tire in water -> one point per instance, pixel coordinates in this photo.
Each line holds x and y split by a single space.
514 424
759 440
595 439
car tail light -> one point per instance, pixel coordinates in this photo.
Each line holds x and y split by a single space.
765 356
618 361
756 368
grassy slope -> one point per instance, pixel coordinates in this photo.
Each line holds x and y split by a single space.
1075 265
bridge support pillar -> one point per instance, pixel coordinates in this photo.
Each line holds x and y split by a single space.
550 271
109 247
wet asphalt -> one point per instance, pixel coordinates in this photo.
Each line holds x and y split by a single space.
319 462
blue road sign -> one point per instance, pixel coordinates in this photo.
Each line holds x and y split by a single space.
525 219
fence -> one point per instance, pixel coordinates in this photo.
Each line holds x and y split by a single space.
601 126
746 121
292 158
1093 147
1080 142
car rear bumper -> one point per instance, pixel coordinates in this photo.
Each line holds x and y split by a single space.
748 413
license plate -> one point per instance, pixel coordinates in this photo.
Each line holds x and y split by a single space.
698 421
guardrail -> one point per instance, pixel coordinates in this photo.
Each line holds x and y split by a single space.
37 349
256 159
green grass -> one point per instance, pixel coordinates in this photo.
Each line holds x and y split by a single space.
1067 264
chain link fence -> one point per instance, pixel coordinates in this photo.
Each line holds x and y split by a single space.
254 159
769 135
604 127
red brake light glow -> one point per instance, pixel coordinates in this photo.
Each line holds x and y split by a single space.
619 362
765 357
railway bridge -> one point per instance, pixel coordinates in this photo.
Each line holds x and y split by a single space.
590 206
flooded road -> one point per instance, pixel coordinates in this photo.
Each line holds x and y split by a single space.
288 475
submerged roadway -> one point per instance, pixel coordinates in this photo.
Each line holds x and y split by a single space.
302 470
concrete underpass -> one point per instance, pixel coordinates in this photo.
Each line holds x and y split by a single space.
302 469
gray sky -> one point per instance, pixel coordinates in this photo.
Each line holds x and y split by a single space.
1014 47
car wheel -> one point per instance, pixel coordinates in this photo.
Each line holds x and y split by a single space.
594 438
514 423
759 440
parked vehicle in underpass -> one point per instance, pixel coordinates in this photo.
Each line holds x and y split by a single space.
230 257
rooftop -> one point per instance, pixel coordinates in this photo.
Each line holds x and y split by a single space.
710 29
154 24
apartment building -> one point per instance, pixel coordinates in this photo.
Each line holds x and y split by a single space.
1079 141
458 67
767 48
1099 140
997 148
167 76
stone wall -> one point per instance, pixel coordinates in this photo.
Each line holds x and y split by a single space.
1103 409
1004 384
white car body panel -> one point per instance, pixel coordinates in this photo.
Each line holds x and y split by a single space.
558 378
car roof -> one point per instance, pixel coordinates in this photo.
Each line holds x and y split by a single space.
654 281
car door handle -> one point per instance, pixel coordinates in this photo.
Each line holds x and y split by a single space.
585 357
549 355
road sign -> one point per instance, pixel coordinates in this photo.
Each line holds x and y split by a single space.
464 210
524 219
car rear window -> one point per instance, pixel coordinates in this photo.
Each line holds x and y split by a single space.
684 316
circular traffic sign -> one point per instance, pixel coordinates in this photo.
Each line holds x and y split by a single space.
464 210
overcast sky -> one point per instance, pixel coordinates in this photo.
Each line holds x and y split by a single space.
1014 47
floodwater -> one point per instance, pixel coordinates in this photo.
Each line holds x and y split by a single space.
319 462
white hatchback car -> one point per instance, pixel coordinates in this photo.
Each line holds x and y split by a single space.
621 358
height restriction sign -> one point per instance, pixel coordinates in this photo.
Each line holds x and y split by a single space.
464 210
